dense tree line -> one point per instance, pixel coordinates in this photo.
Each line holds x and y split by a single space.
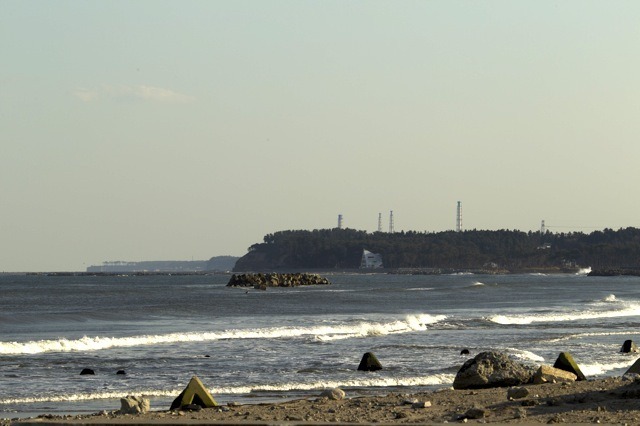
472 249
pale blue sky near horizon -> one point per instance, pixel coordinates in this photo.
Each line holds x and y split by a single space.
166 130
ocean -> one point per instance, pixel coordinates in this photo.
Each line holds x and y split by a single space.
252 346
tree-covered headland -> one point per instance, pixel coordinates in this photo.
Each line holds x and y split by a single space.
500 250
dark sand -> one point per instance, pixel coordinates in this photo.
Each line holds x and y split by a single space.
606 401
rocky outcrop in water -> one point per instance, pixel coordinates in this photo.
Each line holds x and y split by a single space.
262 281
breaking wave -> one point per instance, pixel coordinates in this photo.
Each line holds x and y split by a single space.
614 309
523 355
600 369
431 380
330 332
584 271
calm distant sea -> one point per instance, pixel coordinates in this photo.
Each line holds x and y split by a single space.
259 346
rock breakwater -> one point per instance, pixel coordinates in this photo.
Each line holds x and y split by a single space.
262 281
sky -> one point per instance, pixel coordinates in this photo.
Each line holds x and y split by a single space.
171 130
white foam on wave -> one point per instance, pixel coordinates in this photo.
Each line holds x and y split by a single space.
409 324
620 309
525 355
361 329
600 369
584 271
610 298
477 283
432 380
87 396
581 335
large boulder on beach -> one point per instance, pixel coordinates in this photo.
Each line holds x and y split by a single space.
548 374
134 405
334 394
566 362
492 370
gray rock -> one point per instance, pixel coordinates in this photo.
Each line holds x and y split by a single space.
421 404
475 413
491 370
517 392
134 405
333 393
548 374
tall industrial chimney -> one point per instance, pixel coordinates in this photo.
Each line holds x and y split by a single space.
459 217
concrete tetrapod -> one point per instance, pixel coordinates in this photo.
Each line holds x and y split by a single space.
369 362
194 393
566 362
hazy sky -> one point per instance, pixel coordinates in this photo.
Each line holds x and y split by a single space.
172 130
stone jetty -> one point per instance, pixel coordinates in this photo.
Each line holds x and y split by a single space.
262 281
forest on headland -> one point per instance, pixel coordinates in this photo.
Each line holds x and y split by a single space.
488 250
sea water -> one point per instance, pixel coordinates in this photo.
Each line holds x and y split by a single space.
263 346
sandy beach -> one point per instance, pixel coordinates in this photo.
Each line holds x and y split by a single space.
606 401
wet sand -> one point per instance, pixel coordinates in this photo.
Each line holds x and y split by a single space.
605 401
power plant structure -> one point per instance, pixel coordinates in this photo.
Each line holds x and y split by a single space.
459 217
339 221
391 222
379 222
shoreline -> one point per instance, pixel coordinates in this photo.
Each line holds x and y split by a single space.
612 400
381 271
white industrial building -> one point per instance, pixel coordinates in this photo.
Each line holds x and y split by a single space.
370 260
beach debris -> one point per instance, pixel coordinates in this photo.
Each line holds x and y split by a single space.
369 362
517 392
628 347
492 370
334 394
520 413
548 374
473 413
132 404
421 404
194 393
191 407
87 371
566 362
